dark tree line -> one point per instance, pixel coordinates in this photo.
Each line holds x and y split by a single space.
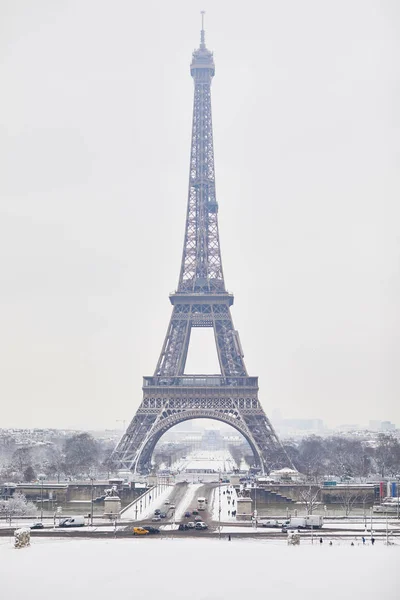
342 457
79 456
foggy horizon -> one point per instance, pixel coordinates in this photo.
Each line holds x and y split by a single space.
96 121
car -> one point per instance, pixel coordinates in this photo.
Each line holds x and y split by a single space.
198 519
163 515
156 518
269 523
172 506
183 527
191 525
200 525
36 526
140 531
195 512
187 514
167 501
99 499
157 511
151 529
72 522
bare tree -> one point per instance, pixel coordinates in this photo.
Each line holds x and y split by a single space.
348 497
387 455
310 498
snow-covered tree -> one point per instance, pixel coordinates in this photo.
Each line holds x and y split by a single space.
16 506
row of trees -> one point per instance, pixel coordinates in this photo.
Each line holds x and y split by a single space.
79 456
337 456
344 457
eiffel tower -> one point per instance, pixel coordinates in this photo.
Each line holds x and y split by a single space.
170 396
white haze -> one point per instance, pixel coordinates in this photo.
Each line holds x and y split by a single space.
95 114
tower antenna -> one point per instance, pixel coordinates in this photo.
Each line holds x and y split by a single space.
202 35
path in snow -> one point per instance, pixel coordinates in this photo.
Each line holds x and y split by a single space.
228 503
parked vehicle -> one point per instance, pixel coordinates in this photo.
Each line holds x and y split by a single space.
269 523
187 514
163 515
167 501
200 525
183 527
140 531
37 525
197 519
191 525
307 522
157 511
72 522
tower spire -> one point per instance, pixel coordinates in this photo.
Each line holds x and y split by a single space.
202 33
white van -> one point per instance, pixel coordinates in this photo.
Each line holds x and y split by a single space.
72 522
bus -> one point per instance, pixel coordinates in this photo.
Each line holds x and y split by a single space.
201 503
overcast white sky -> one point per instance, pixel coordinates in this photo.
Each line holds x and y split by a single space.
95 117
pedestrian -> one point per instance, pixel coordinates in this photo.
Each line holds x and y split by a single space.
352 544
229 537
372 540
229 513
330 543
363 539
320 540
233 502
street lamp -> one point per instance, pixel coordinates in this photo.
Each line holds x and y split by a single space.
41 478
91 499
219 505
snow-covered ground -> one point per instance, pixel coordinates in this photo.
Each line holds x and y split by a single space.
202 569
206 460
144 511
228 497
187 499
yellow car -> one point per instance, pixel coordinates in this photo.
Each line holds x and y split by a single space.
140 531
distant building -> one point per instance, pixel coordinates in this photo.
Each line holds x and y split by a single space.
381 426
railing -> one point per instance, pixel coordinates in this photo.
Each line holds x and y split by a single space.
200 381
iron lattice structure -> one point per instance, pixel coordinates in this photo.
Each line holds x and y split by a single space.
201 300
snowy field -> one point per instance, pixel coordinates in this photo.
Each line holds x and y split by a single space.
215 460
200 569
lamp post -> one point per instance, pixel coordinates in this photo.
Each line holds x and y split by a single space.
371 521
91 502
41 478
255 504
219 505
